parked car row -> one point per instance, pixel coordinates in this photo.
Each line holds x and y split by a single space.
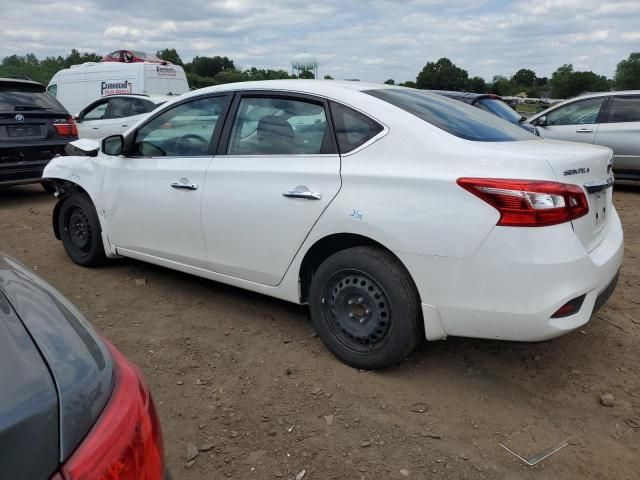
611 119
105 98
394 214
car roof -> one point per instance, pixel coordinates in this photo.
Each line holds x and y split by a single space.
153 98
327 88
583 97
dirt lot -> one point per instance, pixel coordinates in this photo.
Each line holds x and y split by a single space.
244 378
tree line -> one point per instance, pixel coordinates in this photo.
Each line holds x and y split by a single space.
442 74
565 82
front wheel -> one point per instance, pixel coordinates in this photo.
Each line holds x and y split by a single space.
365 307
80 231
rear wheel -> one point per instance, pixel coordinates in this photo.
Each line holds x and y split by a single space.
80 231
365 307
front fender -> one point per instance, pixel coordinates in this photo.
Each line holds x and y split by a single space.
78 174
82 171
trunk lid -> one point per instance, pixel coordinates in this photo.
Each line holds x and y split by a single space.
589 167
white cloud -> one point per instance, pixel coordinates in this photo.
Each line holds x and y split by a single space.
372 40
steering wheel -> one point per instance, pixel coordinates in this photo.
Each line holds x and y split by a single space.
192 143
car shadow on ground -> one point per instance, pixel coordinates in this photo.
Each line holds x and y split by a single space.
462 355
20 194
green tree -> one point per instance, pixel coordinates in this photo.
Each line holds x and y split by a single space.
477 85
627 76
524 78
170 55
76 58
442 75
209 66
328 77
566 83
391 81
409 84
306 74
501 86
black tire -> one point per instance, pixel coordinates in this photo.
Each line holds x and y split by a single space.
80 231
365 308
48 186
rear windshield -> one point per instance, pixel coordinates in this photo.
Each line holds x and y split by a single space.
452 116
499 108
24 98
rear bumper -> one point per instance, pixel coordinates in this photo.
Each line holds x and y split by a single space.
512 285
24 164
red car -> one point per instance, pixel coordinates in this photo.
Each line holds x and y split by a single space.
132 56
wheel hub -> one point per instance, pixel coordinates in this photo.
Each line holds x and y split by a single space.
359 310
79 229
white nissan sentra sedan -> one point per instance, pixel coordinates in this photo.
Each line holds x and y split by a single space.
395 214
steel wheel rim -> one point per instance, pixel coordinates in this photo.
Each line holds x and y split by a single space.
78 229
357 311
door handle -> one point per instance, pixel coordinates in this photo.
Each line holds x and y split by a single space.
184 185
302 192
95 128
124 126
584 130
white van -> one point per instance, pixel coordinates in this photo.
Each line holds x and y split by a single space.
78 86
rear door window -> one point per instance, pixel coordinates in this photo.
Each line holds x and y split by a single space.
353 128
119 108
624 109
279 126
580 112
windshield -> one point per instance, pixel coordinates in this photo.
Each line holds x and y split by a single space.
499 108
25 98
452 116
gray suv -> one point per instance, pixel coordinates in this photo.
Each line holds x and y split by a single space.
611 119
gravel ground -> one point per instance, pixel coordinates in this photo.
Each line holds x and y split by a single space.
242 382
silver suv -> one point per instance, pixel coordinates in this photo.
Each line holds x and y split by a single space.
611 119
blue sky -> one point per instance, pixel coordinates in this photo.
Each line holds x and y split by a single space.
372 40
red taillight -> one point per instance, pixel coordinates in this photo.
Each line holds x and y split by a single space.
66 128
126 442
529 203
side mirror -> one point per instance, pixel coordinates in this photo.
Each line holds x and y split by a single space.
542 121
77 118
84 147
113 145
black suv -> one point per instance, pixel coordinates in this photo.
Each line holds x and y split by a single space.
493 104
34 127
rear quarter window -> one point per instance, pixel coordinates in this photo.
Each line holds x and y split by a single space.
353 128
454 117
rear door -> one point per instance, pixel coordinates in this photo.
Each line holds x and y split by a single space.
275 172
620 131
575 122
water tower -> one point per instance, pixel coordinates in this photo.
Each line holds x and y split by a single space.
304 62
